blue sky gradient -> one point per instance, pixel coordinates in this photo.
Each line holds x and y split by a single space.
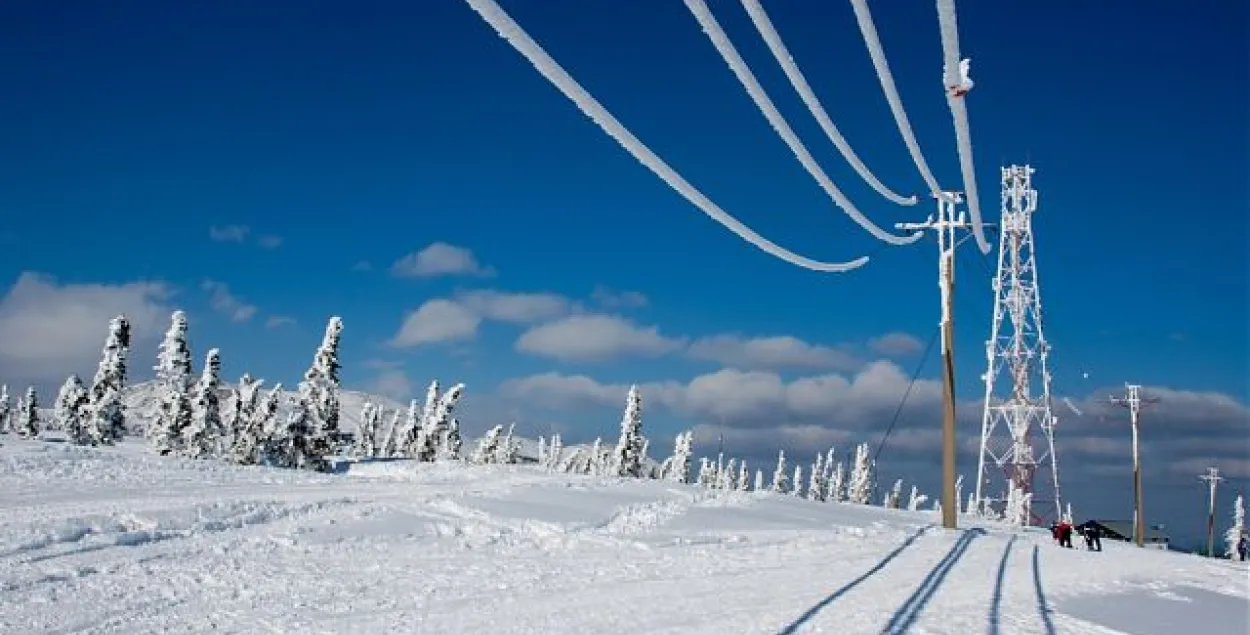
365 131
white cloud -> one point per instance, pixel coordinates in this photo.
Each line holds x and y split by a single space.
390 381
49 330
594 337
229 233
895 344
440 259
775 352
436 321
277 321
520 308
611 299
223 301
269 241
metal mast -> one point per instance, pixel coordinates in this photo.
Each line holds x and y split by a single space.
1018 424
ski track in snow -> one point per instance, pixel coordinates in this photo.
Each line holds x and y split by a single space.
118 541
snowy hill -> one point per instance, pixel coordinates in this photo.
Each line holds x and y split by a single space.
116 540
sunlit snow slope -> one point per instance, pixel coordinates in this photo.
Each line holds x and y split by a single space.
119 541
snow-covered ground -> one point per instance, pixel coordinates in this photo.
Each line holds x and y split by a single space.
117 540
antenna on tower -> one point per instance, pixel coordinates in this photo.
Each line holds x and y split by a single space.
1017 380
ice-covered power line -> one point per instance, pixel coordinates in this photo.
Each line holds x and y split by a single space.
740 70
778 48
511 32
957 85
869 30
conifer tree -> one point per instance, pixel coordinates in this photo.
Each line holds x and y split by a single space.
797 481
759 480
28 415
205 436
959 493
1238 528
108 420
312 426
487 447
679 468
837 484
451 441
173 374
892 498
72 411
779 475
816 480
860 487
366 433
916 499
627 458
6 408
250 420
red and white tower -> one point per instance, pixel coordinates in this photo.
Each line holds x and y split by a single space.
1017 429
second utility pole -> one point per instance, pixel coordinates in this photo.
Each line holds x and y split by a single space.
1134 401
1213 478
945 224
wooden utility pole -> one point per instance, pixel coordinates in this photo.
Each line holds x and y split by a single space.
1213 478
1134 402
945 225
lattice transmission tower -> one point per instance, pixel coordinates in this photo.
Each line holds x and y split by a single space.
1018 425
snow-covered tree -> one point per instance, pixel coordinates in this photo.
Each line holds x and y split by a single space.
816 480
108 420
677 468
1235 533
71 410
959 493
438 425
251 420
173 376
837 484
893 498
860 487
1016 512
916 499
729 477
488 446
508 450
627 457
6 408
410 430
450 442
313 423
758 485
705 472
780 477
971 509
744 477
1067 512
367 433
28 415
205 437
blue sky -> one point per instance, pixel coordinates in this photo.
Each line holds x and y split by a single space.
346 133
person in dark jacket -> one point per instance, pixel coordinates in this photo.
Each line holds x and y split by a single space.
1242 548
1093 537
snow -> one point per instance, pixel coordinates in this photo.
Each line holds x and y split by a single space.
758 95
119 540
511 32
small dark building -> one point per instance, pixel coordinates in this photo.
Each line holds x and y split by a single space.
1123 530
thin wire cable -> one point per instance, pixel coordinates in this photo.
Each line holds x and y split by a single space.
512 33
869 30
766 107
949 25
778 48
907 393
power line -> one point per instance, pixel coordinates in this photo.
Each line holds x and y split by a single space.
720 40
907 393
